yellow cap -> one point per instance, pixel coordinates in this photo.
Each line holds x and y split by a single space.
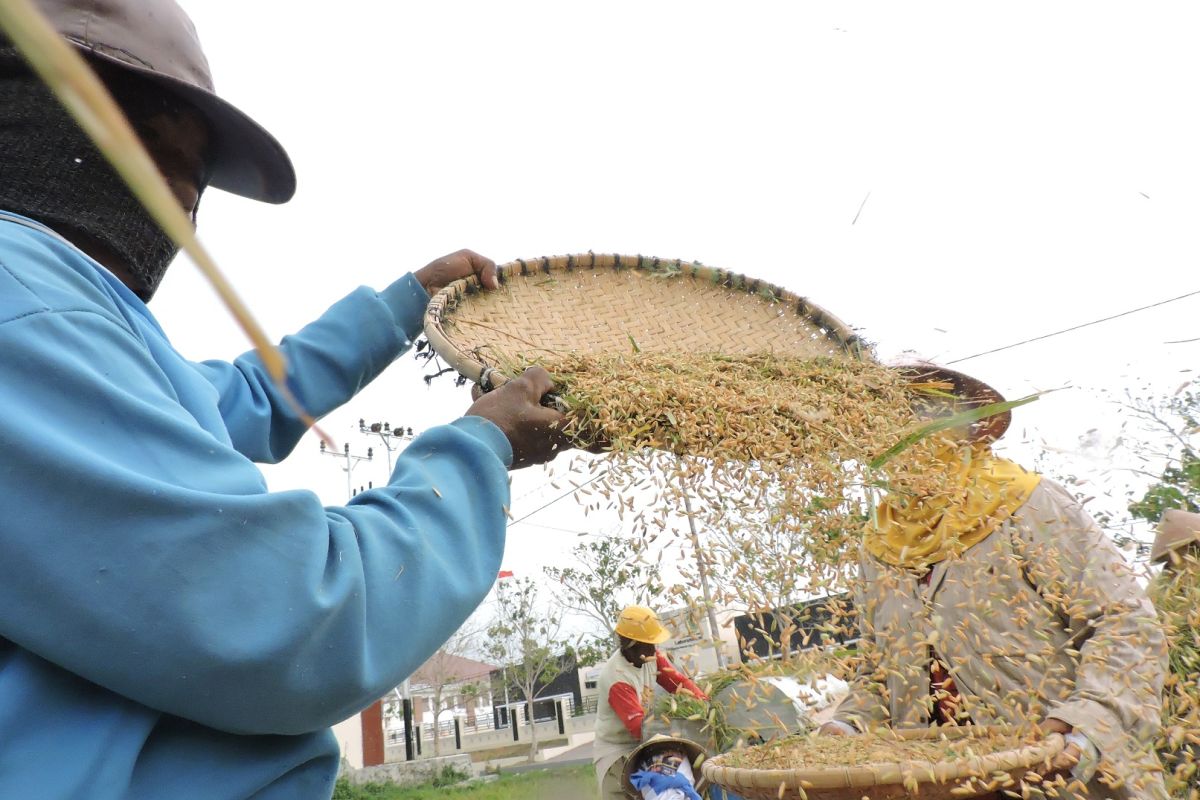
640 624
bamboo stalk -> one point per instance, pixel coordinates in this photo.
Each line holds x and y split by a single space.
962 418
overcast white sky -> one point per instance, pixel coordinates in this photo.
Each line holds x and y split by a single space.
1025 167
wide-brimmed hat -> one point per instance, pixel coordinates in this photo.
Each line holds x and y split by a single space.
1177 529
694 752
156 40
967 393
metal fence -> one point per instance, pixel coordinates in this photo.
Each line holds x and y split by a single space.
485 721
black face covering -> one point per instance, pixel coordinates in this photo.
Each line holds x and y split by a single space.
51 172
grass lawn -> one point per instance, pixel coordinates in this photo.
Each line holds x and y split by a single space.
549 784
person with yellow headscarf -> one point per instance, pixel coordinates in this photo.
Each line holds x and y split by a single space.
987 595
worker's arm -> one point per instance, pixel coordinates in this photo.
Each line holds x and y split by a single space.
1116 699
625 702
673 680
142 549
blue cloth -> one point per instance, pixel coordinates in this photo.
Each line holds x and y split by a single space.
168 627
717 793
661 782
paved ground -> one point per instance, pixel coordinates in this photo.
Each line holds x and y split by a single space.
574 757
580 754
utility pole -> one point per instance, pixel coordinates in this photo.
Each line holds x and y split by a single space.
351 460
389 436
714 631
371 718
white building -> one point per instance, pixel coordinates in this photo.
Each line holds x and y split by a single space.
693 646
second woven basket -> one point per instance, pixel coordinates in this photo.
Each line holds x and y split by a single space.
942 780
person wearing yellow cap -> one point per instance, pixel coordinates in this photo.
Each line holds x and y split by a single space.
1176 594
626 686
987 595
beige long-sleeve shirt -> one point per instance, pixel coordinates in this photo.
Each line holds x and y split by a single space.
1043 618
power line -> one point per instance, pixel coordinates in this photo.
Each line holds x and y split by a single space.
556 528
544 506
1073 328
550 484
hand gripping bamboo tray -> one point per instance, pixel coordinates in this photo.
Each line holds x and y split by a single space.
989 775
602 303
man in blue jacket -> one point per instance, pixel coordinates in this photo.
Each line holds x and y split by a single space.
168 627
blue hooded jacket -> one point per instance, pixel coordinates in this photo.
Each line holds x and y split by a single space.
168 627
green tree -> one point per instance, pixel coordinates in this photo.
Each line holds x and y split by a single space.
525 637
772 553
450 671
608 575
1177 419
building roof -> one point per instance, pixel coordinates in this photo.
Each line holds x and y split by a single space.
446 668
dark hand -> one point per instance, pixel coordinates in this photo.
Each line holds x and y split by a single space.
438 274
534 431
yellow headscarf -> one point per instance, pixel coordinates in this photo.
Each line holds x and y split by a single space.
977 491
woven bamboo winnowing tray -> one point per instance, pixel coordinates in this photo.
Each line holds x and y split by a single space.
594 303
942 780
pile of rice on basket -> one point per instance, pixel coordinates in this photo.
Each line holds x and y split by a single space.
936 764
675 357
